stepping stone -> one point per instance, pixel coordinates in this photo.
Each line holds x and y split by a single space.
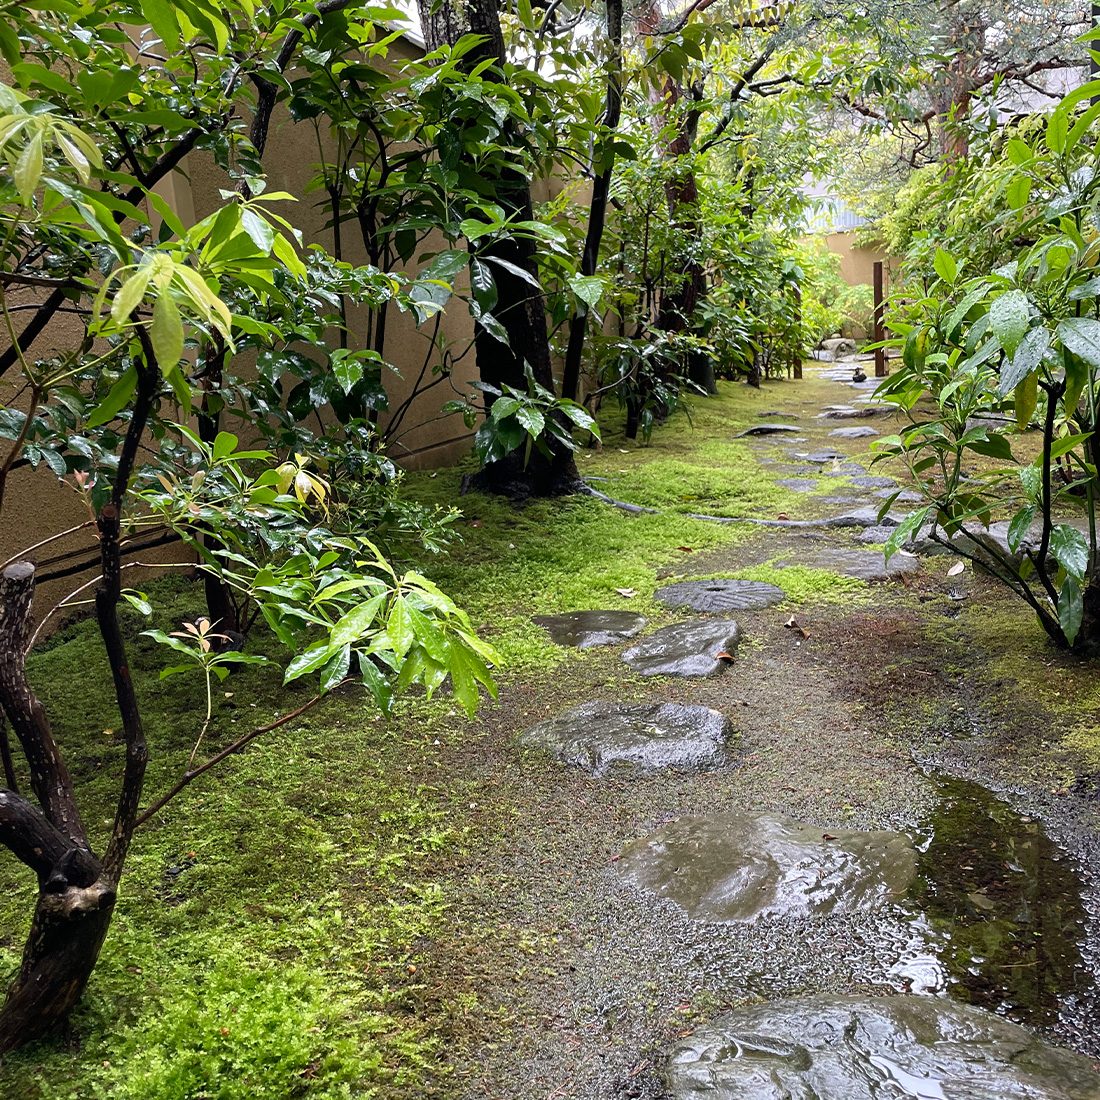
730 868
864 517
819 457
861 432
849 413
639 738
685 649
798 484
585 629
780 412
842 500
876 535
767 429
867 565
848 469
720 595
873 482
906 496
846 1047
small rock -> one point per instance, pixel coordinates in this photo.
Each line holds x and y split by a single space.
873 482
818 457
685 649
867 565
798 484
767 429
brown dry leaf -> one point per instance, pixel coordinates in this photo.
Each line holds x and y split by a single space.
475 523
792 624
686 549
782 515
956 569
827 836
724 656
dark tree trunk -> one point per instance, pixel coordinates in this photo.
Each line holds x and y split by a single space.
520 307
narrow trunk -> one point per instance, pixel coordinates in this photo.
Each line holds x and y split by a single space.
69 927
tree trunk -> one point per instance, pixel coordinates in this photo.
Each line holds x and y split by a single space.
520 307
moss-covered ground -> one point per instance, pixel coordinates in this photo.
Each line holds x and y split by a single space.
414 908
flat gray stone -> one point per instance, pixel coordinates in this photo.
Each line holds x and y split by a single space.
767 429
850 413
861 432
867 482
844 1047
818 457
864 517
876 535
640 738
780 412
585 629
720 595
730 868
906 496
685 649
867 565
798 484
849 469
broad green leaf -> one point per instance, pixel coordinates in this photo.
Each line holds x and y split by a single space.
589 288
946 267
1019 526
225 443
905 530
1029 354
376 684
531 419
1071 607
1010 315
162 19
1031 479
1019 191
336 671
130 294
1070 550
357 622
1057 130
1067 443
399 628
1081 335
347 370
465 686
28 169
307 662
1026 397
580 416
504 406
166 333
1019 152
116 400
261 232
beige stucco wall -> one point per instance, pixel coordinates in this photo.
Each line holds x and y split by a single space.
857 262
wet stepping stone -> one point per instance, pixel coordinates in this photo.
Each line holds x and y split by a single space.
779 412
843 1047
736 867
906 496
721 595
867 565
862 432
874 482
876 535
767 429
640 738
863 517
819 457
685 649
798 484
586 629
849 469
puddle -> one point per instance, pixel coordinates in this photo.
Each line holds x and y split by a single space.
1002 922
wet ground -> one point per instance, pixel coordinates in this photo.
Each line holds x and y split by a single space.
864 715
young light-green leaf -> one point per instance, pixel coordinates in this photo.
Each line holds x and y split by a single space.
166 332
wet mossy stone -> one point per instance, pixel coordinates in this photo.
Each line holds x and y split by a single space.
767 429
585 629
817 457
867 565
634 738
685 649
844 1047
798 484
720 595
860 432
865 482
731 868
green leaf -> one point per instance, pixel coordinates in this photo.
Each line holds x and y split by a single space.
580 416
28 169
1070 550
166 333
465 686
1026 397
119 395
347 370
905 530
399 628
504 406
532 420
589 288
307 662
1019 191
483 285
336 671
1019 152
1031 479
946 267
1071 607
225 443
130 294
1029 354
995 445
376 684
1081 335
1067 443
1010 315
1057 130
447 265
261 232
162 19
1020 525
357 622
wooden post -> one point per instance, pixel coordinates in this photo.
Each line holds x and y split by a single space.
797 331
879 335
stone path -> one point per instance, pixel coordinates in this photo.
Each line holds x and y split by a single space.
774 873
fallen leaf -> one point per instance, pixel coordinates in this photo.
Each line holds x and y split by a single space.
626 592
792 624
956 569
827 836
475 523
724 656
782 515
686 549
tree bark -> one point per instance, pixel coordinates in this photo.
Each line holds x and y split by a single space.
520 307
